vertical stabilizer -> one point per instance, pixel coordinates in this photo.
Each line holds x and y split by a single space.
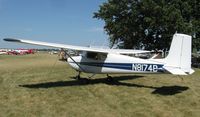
178 60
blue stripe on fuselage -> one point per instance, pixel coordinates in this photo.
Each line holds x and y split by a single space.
125 66
139 67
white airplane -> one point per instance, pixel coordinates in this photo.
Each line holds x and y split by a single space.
112 61
3 52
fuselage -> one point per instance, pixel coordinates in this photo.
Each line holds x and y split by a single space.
115 63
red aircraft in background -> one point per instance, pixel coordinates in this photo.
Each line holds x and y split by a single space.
21 51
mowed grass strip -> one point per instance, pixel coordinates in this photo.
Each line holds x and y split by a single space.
40 85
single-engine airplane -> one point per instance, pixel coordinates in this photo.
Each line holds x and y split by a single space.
110 61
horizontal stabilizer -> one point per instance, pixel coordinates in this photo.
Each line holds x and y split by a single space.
191 71
175 71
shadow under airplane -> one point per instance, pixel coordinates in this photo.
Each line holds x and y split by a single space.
164 90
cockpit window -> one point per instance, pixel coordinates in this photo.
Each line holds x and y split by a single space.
96 56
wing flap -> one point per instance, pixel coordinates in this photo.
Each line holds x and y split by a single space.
79 48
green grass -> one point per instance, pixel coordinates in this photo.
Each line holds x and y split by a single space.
31 85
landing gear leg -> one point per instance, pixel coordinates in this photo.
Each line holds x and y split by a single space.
109 78
78 77
83 80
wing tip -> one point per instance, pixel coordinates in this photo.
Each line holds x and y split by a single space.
11 40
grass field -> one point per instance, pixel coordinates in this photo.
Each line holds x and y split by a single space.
39 85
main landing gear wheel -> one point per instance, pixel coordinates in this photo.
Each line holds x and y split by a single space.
83 80
109 78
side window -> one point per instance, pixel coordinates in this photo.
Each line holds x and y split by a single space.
92 55
96 56
102 56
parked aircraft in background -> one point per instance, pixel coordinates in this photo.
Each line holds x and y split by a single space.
25 51
16 51
110 61
3 51
20 51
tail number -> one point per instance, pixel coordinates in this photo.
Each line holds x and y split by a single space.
145 67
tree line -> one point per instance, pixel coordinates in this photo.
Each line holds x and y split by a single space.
149 24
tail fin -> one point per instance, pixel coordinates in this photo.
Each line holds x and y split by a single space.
178 61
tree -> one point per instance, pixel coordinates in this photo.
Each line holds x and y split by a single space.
149 24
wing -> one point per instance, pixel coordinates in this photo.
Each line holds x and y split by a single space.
79 48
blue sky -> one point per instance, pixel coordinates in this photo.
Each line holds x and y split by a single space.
60 21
